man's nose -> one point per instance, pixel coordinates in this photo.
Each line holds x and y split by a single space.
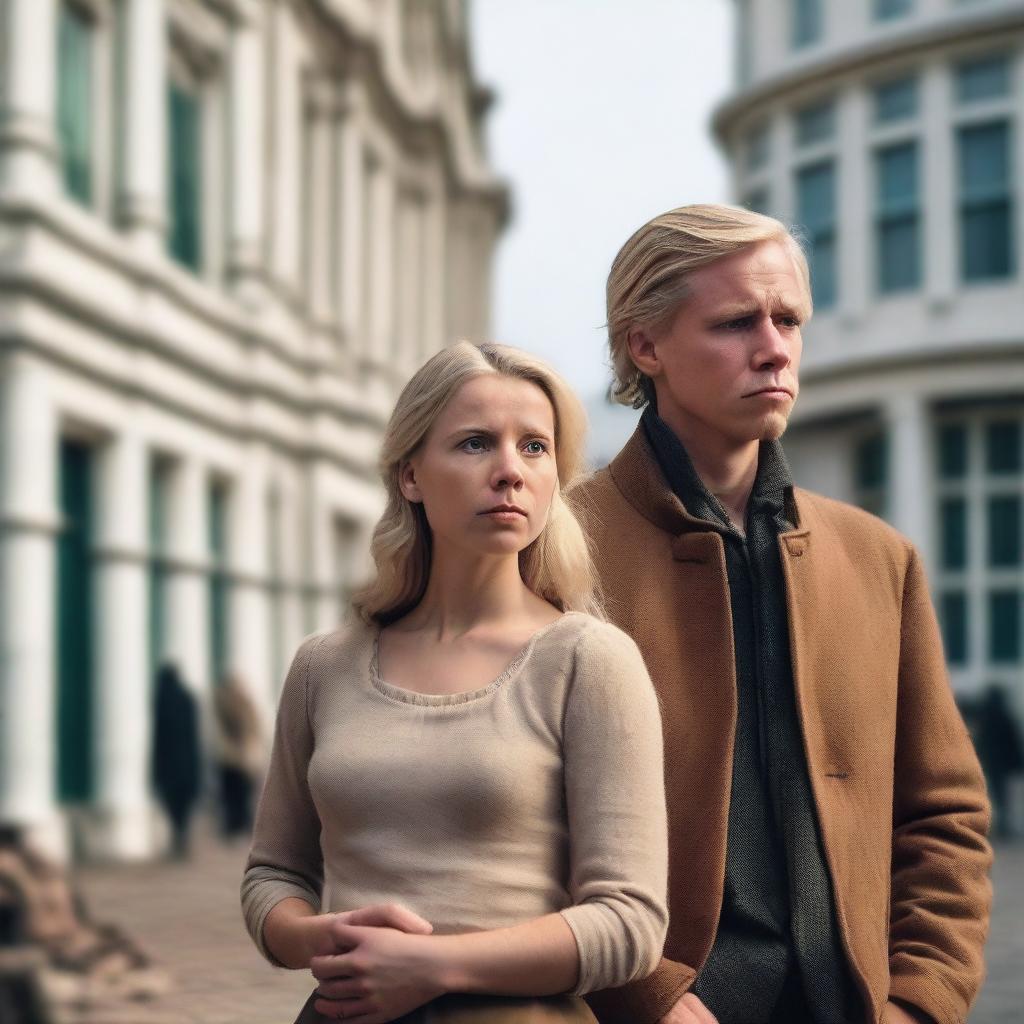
772 349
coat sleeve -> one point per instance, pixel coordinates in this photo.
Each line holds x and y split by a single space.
941 894
285 858
615 803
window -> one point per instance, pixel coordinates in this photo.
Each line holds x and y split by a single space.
815 188
986 206
160 472
758 148
896 101
184 188
74 101
897 218
980 541
806 18
816 123
987 79
757 200
885 10
871 473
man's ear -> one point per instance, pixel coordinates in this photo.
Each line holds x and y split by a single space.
407 482
643 351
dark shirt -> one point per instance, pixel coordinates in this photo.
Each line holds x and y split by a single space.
777 948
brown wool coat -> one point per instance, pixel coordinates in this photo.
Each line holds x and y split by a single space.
898 791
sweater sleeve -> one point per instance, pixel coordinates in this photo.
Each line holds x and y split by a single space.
940 857
285 857
615 796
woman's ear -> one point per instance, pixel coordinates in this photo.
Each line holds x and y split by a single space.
407 482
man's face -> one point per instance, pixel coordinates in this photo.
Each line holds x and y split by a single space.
725 369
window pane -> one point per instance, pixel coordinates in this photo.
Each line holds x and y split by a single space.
1004 625
758 148
885 9
816 213
1002 447
896 101
870 461
899 260
953 613
952 451
816 123
184 159
983 79
806 21
896 178
896 201
986 208
953 530
74 101
1004 531
757 200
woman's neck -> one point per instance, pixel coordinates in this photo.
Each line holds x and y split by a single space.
464 593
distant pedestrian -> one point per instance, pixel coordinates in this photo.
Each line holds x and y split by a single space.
998 741
240 753
176 759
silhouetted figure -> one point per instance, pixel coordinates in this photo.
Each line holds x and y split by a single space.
176 763
998 741
239 755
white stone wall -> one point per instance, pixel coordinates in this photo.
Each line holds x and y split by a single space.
345 196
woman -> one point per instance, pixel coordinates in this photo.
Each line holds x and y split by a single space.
474 768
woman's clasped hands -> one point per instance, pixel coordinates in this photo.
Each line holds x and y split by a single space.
375 964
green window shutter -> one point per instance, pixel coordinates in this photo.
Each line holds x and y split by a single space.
74 101
219 582
184 159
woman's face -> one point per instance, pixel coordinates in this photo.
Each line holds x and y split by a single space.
486 470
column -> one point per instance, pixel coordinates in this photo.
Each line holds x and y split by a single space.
382 267
911 494
28 524
320 187
349 226
28 131
142 202
408 316
247 113
249 629
938 168
188 602
435 334
123 692
854 203
288 189
321 553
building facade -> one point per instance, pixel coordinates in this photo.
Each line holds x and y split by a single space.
891 132
229 229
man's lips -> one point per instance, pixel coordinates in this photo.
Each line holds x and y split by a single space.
777 391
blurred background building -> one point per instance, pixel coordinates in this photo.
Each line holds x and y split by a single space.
228 231
892 133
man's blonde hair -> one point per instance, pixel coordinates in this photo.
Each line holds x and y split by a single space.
556 565
649 279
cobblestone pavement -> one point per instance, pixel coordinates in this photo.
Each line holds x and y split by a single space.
188 916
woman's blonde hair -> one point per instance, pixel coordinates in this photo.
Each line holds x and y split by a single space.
649 278
556 565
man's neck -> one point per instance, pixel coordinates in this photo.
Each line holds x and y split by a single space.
727 468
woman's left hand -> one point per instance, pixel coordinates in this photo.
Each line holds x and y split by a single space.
373 975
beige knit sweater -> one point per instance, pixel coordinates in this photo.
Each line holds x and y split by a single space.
540 792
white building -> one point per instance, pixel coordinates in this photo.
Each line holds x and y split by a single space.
228 230
892 131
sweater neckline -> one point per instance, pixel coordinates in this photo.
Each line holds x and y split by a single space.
404 696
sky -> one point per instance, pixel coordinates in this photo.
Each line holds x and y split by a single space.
602 121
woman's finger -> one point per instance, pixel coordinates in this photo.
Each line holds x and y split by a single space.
338 966
359 1010
343 988
388 915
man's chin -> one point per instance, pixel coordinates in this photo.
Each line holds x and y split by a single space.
772 427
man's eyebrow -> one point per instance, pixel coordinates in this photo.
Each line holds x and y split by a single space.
734 312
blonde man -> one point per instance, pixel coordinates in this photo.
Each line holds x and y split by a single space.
828 859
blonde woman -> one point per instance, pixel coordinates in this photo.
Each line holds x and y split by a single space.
464 817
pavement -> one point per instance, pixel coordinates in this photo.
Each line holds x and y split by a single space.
187 915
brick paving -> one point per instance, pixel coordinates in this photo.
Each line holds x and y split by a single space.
188 916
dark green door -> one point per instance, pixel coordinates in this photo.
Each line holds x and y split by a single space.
74 626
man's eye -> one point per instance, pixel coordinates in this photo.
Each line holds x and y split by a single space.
789 321
740 324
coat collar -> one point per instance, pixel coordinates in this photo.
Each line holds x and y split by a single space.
636 473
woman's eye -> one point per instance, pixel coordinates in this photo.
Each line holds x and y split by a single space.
473 444
535 447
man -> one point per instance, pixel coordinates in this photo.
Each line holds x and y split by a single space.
827 815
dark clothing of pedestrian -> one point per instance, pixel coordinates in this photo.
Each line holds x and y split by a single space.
778 918
239 755
998 742
176 758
